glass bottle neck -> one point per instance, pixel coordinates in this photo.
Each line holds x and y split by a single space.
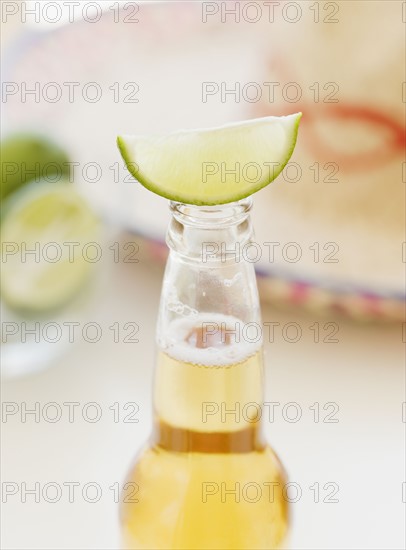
207 273
210 234
209 338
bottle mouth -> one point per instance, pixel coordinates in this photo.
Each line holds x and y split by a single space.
220 214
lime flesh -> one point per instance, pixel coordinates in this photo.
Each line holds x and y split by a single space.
212 166
44 237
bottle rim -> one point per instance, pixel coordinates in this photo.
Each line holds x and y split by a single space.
220 214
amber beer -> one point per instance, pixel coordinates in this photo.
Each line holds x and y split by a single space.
207 480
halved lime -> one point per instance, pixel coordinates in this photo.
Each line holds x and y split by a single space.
46 247
212 166
26 157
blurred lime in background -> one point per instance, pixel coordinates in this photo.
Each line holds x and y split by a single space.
46 252
26 157
50 245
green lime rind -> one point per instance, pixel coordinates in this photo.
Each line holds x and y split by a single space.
26 157
175 191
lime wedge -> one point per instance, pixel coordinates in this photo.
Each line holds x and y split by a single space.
212 166
45 251
26 157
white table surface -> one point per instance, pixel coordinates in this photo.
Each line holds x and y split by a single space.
363 453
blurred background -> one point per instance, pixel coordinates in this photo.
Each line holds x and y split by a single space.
83 251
